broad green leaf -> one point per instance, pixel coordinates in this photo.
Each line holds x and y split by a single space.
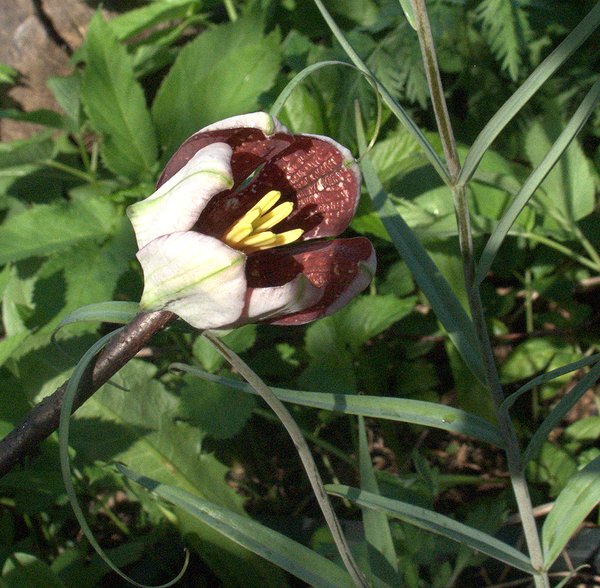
569 188
83 275
219 412
139 427
290 555
47 118
436 523
405 410
67 91
23 151
574 503
549 376
116 105
44 229
134 21
441 297
559 411
24 569
383 560
221 73
531 357
8 75
9 344
527 89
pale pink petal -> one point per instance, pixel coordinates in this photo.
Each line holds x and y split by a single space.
177 203
199 278
262 121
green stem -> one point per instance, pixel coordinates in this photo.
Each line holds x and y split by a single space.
461 206
528 302
591 250
562 248
69 170
231 11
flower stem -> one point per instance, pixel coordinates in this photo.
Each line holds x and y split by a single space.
461 206
69 170
231 11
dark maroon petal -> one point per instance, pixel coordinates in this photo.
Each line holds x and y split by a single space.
333 265
313 174
250 148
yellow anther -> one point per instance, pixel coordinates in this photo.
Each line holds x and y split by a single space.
242 227
259 239
251 232
267 202
275 216
287 237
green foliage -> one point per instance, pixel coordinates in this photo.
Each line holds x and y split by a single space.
404 356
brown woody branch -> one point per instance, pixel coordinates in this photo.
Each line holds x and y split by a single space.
43 418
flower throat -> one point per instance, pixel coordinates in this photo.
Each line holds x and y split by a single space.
252 231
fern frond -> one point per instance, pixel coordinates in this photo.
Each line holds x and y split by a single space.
505 28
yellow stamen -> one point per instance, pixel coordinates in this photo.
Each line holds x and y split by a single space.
275 216
250 232
267 202
242 227
259 239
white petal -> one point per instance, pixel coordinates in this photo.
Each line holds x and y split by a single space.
263 121
263 303
197 277
177 204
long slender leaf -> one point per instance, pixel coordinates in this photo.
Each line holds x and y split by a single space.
558 412
380 545
586 108
436 523
574 503
549 376
529 87
418 412
290 555
65 467
114 311
389 100
439 293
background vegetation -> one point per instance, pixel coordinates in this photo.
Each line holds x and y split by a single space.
144 81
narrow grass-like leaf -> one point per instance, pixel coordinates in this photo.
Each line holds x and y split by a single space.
586 108
436 523
115 103
408 12
405 410
303 452
65 466
378 535
439 293
114 311
389 100
559 411
286 553
547 377
529 87
574 503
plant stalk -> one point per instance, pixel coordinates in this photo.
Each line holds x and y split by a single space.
461 206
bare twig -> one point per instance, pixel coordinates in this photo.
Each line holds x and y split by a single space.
43 418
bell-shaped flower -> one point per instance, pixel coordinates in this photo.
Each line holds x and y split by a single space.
224 239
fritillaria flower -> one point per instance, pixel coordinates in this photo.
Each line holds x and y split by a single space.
239 229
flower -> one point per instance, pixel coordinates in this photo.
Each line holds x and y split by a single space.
224 239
